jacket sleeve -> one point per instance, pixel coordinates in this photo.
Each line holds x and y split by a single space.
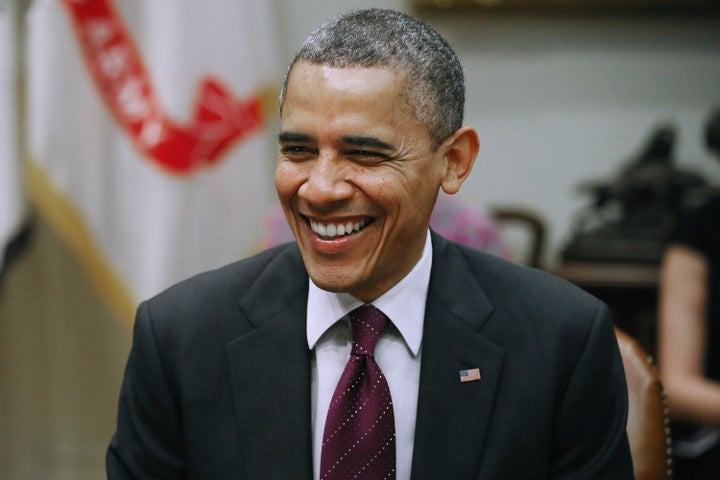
590 440
148 440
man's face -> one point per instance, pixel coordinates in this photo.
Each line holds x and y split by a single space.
356 175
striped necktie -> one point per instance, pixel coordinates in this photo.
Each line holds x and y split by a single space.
359 437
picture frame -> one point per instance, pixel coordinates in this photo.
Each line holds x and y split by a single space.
697 7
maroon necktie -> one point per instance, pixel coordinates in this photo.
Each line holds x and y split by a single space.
359 439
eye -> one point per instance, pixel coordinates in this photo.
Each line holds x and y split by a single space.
367 156
297 152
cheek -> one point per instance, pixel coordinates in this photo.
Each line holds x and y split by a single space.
288 179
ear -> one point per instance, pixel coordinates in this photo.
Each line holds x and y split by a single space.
460 151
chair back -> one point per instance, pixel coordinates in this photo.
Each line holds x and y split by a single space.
531 229
648 422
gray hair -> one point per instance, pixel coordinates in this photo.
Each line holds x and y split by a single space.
433 76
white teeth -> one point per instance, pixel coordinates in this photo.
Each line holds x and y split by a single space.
332 230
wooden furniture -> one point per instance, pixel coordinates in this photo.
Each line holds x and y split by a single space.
531 222
629 289
648 423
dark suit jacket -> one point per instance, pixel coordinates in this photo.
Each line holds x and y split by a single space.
217 384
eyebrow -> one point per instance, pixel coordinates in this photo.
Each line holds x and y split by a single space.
360 141
354 140
294 137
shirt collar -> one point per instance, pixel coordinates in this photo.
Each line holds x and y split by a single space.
404 304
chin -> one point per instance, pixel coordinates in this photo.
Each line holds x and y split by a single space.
334 283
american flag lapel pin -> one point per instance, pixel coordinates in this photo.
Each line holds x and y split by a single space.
471 375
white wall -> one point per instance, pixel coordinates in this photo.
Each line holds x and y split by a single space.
561 99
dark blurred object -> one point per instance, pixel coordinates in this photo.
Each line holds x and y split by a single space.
631 216
15 247
712 133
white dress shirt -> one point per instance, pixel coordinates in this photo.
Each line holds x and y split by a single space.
397 353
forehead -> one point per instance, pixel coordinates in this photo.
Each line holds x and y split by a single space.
317 82
335 95
378 72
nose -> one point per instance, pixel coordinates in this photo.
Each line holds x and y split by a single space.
326 182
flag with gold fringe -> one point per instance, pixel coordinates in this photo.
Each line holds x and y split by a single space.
148 134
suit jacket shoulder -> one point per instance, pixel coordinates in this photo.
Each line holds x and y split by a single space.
217 384
210 301
551 401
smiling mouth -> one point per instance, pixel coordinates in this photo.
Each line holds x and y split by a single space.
335 230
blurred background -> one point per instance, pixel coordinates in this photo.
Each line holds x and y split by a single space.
137 147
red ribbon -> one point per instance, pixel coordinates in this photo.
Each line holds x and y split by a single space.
116 66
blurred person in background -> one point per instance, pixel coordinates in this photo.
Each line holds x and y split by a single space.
689 332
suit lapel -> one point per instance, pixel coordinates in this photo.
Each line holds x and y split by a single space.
453 416
269 369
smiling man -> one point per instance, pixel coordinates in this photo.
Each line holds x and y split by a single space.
372 348
359 174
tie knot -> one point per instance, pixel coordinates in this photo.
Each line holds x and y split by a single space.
368 324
